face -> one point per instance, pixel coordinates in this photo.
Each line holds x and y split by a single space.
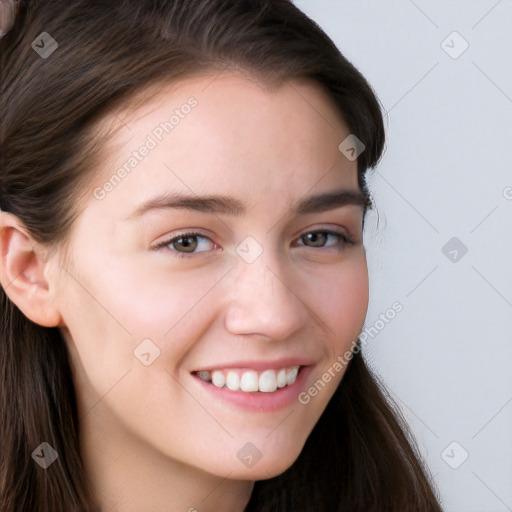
203 276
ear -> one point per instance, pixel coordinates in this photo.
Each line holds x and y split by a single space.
24 272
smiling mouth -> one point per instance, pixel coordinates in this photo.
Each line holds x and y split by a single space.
251 381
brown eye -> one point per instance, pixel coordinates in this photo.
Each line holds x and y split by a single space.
185 245
188 243
320 238
317 239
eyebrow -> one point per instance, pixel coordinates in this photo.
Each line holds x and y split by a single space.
218 204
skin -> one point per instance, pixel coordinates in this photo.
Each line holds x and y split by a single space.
152 438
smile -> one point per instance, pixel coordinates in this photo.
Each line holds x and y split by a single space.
250 381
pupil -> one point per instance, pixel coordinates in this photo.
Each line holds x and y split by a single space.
186 243
315 237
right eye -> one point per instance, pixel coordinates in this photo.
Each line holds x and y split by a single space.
186 241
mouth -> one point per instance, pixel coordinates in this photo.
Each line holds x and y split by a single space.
257 386
250 380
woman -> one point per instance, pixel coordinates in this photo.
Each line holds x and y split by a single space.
183 274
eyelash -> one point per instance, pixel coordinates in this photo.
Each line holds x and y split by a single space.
165 245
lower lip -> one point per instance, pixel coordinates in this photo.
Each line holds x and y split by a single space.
260 401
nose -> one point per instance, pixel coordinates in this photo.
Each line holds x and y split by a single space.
263 302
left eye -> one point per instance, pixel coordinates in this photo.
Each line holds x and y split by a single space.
186 244
319 237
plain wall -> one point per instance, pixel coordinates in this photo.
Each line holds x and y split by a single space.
447 172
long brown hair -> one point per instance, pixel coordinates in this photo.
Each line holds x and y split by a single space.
360 455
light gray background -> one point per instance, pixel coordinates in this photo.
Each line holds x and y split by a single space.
447 357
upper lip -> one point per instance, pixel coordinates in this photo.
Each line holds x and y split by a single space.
253 364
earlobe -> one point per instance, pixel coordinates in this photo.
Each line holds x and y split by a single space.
24 272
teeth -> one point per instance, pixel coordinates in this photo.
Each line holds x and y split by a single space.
249 381
281 378
233 381
218 379
291 375
268 381
204 375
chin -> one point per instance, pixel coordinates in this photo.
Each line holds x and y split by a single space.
264 471
270 465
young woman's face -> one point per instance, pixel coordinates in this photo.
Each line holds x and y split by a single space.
212 257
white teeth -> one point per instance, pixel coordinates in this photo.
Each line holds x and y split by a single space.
249 381
291 375
233 381
218 379
281 378
268 381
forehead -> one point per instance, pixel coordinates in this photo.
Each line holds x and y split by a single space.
213 133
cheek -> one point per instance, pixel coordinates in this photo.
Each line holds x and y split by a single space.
341 302
98 341
160 302
112 305
342 305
